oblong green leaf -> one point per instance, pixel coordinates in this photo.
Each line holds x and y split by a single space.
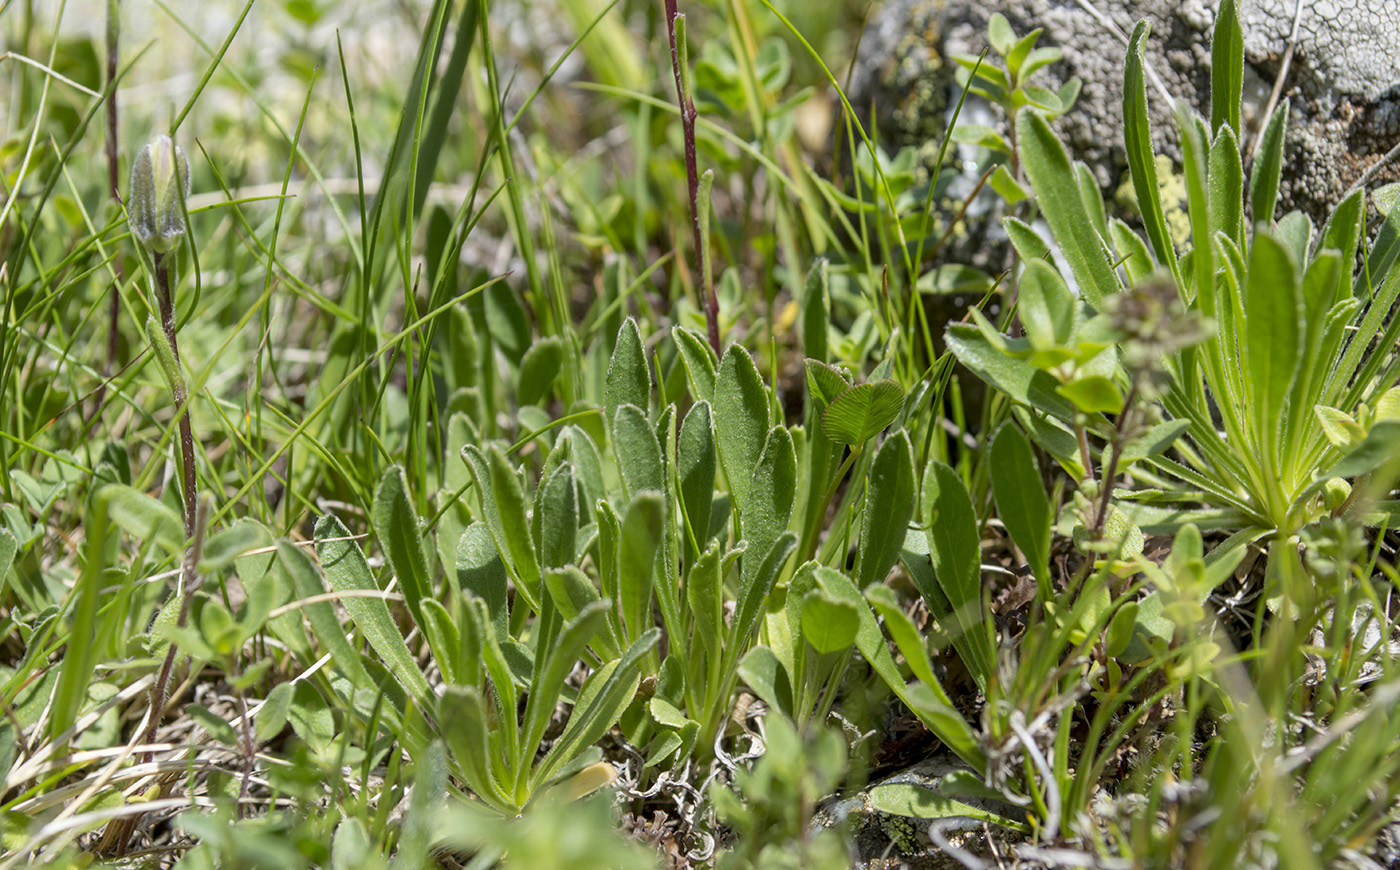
1226 69
1057 193
1021 501
396 526
889 504
638 452
628 381
346 570
741 420
695 468
772 491
1268 166
954 549
1137 140
143 517
1272 331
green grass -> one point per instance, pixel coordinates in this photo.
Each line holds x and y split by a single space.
492 558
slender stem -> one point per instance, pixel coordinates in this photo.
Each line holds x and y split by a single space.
692 177
167 322
114 311
194 527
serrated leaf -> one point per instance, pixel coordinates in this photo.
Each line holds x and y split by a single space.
825 382
862 412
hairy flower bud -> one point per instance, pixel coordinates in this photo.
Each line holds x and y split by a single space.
160 180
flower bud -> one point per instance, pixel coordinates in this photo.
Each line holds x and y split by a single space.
160 180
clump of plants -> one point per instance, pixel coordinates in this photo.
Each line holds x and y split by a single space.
673 542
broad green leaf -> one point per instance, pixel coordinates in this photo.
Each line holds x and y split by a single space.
1379 446
954 548
1272 332
628 380
1268 166
1342 233
638 453
916 801
1021 50
272 715
772 491
829 624
539 369
222 547
641 535
695 468
928 701
1019 380
862 412
1093 198
1021 501
557 514
741 420
547 682
1008 188
1093 394
602 700
396 526
509 503
1195 158
480 572
346 570
704 594
1226 69
889 504
1142 164
470 741
763 672
444 640
758 585
324 625
1046 305
8 547
1226 180
1295 231
1027 242
699 361
816 311
912 643
1057 193
1000 34
143 517
418 830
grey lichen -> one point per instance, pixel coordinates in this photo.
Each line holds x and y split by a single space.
1343 80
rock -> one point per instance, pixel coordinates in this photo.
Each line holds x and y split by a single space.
1343 82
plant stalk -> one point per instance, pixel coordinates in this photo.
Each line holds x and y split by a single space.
692 177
